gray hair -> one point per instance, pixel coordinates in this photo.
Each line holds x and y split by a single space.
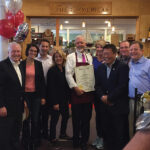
11 44
80 36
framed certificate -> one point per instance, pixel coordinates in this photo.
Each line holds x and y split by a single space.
85 78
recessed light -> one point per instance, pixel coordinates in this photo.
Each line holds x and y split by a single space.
66 21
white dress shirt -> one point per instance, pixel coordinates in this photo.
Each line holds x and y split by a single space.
46 63
71 64
17 69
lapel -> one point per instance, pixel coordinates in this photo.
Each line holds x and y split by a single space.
113 70
12 72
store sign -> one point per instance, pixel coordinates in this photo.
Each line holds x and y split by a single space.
81 8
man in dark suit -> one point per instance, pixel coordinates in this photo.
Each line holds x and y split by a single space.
11 99
112 89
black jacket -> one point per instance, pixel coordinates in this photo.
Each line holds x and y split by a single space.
116 86
39 78
11 91
58 91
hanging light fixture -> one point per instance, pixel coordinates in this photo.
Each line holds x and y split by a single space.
83 24
61 27
113 28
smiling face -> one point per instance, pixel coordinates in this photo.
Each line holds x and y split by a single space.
80 44
124 48
32 53
108 56
44 48
14 52
136 52
58 59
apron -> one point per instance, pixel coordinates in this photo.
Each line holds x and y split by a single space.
87 97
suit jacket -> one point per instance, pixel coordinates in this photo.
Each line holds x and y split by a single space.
58 91
116 87
11 91
39 78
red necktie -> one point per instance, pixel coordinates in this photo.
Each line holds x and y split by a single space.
83 58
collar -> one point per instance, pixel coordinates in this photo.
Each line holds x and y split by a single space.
40 57
111 64
14 63
79 53
141 60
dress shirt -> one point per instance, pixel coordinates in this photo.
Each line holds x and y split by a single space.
71 64
46 63
16 67
139 76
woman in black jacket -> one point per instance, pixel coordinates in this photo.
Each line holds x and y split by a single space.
58 95
35 96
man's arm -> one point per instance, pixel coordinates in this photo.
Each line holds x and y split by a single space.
140 141
3 110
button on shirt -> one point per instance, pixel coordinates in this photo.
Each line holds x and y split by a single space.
46 63
71 64
139 76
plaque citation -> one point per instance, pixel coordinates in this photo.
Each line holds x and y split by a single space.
85 78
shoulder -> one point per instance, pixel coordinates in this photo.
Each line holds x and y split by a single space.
37 62
71 56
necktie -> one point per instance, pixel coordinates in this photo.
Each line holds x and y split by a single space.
83 58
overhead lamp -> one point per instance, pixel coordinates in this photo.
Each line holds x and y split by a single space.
66 22
61 27
109 24
106 21
104 11
113 29
83 24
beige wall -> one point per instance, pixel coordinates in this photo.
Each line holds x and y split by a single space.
120 8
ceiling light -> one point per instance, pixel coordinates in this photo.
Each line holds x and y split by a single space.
113 29
83 24
109 24
66 21
106 21
61 27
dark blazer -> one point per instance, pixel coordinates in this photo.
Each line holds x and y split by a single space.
39 78
11 91
58 91
116 86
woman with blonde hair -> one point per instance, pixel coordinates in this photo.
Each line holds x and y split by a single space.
58 95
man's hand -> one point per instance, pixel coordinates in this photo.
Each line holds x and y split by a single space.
104 99
3 112
25 104
56 107
78 91
43 101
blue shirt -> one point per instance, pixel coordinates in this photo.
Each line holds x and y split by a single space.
96 64
139 76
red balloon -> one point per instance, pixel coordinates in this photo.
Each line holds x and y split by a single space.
7 28
17 19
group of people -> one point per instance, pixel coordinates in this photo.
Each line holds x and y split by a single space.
47 84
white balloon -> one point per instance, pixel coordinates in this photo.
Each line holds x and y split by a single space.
13 5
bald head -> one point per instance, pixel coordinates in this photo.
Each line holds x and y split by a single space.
14 51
